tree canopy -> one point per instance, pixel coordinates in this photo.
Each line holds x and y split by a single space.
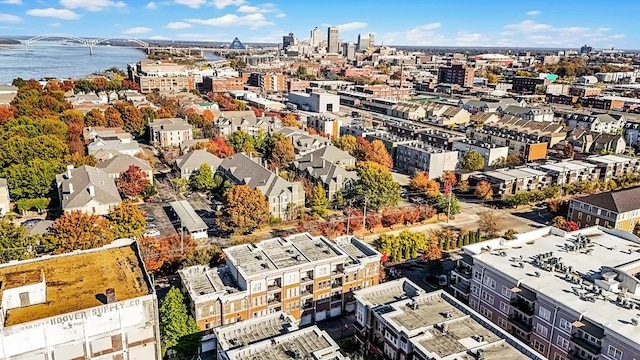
376 186
241 141
15 243
127 220
132 181
245 209
179 330
217 146
420 181
472 161
204 179
282 153
78 230
318 201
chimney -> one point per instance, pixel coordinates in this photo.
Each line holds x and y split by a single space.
69 169
92 190
70 188
111 295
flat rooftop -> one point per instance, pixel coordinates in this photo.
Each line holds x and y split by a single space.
74 280
427 312
308 343
355 248
564 166
609 159
200 280
526 261
388 292
461 336
254 330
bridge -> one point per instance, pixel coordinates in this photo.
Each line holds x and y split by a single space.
86 42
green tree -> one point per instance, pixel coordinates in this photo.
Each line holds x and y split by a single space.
210 256
127 220
15 243
442 204
318 201
204 179
376 186
241 141
245 209
472 161
178 329
31 179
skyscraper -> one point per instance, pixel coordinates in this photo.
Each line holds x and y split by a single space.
288 40
349 50
316 37
363 42
333 43
372 40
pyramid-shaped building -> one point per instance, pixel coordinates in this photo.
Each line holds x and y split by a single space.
237 45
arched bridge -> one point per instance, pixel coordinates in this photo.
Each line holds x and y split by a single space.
88 42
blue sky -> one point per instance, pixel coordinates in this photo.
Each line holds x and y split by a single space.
542 23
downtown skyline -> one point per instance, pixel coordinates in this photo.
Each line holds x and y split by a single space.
544 24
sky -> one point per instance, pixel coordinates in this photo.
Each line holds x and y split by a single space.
542 23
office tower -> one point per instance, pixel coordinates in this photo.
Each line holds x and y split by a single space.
363 42
372 40
288 40
333 43
349 51
316 37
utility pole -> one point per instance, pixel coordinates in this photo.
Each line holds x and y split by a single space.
181 238
364 216
448 185
349 217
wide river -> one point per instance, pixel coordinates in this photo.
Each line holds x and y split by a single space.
63 60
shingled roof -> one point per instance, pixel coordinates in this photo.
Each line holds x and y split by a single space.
619 201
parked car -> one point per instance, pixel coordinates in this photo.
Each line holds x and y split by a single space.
149 218
151 226
151 233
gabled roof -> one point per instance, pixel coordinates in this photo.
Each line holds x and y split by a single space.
104 187
248 171
121 162
195 158
330 153
324 171
618 201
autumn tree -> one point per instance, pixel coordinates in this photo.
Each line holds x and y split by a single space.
376 186
127 220
463 187
282 153
448 177
6 113
362 148
132 119
420 181
378 153
432 251
15 243
95 117
447 203
204 179
178 329
132 181
242 142
484 190
346 143
318 201
78 230
244 210
488 223
113 117
403 246
290 121
472 161
392 216
558 222
217 146
210 256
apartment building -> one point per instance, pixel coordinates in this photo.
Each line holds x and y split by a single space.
310 278
398 320
569 295
615 166
319 102
526 146
224 84
384 91
511 181
585 91
615 209
604 123
456 74
90 304
527 85
416 156
325 125
170 132
567 172
161 76
267 82
529 113
491 153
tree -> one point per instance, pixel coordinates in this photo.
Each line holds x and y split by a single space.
204 179
376 186
571 226
362 148
433 250
403 246
211 257
113 117
420 181
290 121
463 187
484 190
95 117
241 141
31 179
472 161
15 243
78 230
6 113
127 220
282 153
132 119
442 204
244 210
347 143
559 222
449 177
318 201
569 151
378 153
488 223
178 329
392 216
217 146
132 181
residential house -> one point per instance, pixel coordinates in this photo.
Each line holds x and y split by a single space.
326 167
603 123
594 142
488 105
191 161
417 156
446 115
105 143
303 142
359 130
571 171
481 118
87 189
631 132
614 209
511 181
4 197
529 113
282 195
492 153
408 110
613 167
252 125
170 132
121 163
325 125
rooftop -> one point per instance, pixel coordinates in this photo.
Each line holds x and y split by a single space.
620 201
190 220
201 281
388 292
75 281
565 268
254 330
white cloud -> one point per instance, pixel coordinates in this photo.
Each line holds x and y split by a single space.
618 36
532 33
55 24
137 30
264 8
191 3
221 4
200 37
9 19
254 21
152 5
64 14
178 25
533 13
527 26
158 37
464 38
355 25
281 15
92 5
12 2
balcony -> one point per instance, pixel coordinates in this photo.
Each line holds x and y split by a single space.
574 354
274 300
585 344
523 306
462 272
462 288
307 305
274 287
520 323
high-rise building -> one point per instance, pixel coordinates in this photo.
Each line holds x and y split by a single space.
288 40
316 37
363 42
371 40
349 50
333 42
456 74
586 49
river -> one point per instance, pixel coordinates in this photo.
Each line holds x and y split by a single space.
64 60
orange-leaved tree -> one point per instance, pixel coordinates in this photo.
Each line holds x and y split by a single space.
484 190
420 181
78 230
217 146
132 181
290 121
245 209
378 153
165 252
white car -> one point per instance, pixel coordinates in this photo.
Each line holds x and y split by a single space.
151 233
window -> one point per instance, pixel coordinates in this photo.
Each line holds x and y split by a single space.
504 307
565 325
538 346
588 218
489 282
614 352
506 292
542 330
544 313
485 312
562 342
580 215
487 297
475 290
477 275
557 356
502 323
